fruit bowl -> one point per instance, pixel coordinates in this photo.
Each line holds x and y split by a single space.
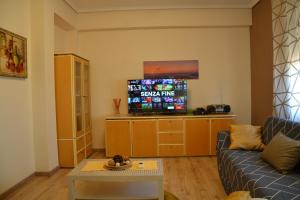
118 163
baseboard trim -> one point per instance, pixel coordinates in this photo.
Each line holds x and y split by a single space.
16 186
50 173
25 180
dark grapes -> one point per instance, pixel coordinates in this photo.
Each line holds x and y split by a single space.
118 159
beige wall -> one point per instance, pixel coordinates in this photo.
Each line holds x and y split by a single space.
16 143
118 42
118 55
261 62
43 93
65 35
65 40
62 9
164 18
60 42
28 123
43 98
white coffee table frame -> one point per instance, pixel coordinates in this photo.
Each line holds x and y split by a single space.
138 177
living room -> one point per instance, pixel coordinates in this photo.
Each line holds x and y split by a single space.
232 41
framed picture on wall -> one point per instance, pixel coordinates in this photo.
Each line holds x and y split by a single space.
13 54
179 69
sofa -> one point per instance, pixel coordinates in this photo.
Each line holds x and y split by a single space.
244 170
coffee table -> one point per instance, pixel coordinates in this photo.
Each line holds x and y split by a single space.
108 184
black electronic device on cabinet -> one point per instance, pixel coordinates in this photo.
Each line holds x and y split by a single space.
218 108
199 111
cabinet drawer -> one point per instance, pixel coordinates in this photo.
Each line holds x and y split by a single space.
166 125
170 138
171 150
80 156
88 150
88 138
80 143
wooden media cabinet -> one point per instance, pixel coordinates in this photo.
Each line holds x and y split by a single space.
159 136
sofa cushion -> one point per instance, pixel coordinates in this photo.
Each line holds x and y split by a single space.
245 170
290 128
239 195
245 136
282 152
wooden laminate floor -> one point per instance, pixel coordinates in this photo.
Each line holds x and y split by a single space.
189 178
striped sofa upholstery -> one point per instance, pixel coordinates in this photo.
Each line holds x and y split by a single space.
245 170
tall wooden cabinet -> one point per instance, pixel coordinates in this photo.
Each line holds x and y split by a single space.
72 94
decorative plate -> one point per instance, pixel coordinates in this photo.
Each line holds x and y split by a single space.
122 167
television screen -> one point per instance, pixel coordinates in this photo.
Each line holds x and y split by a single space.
157 96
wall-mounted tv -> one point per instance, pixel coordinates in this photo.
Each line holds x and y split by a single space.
157 96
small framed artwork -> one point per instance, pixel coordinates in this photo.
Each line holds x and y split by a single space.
13 54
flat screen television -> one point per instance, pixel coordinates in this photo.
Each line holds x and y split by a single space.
157 96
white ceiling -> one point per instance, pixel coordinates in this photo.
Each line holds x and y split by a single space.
82 6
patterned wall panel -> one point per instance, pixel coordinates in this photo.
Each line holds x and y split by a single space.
286 60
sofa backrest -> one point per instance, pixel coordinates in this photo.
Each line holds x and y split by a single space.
273 125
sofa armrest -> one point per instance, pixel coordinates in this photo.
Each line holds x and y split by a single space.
223 140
